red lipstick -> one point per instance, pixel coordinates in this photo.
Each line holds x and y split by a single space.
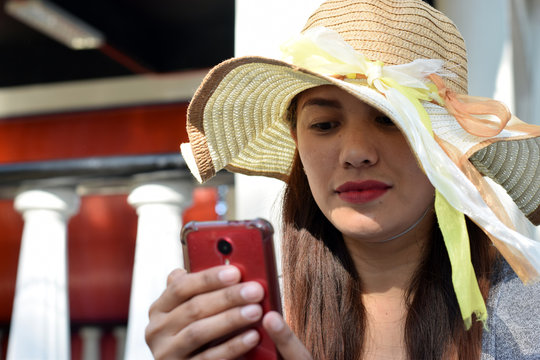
362 191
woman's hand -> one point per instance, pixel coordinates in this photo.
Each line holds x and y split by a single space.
198 308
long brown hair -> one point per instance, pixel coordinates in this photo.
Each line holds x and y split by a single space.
322 289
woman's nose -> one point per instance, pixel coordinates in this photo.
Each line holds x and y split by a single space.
358 148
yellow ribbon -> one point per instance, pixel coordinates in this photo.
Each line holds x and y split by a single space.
456 239
324 51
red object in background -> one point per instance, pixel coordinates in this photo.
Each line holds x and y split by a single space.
203 206
112 132
108 346
11 224
101 249
76 347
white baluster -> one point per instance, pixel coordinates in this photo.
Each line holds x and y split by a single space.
91 342
119 334
40 319
157 253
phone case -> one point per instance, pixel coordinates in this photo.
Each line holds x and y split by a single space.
246 244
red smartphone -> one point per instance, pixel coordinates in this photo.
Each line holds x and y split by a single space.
246 244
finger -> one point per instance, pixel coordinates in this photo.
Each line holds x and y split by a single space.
287 343
201 332
182 286
175 274
203 306
233 348
215 302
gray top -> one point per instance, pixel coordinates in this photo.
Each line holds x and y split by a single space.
514 318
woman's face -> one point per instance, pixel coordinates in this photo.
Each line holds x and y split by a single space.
359 166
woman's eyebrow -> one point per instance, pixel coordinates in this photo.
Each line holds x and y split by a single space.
322 102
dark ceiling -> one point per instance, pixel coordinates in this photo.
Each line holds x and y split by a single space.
141 36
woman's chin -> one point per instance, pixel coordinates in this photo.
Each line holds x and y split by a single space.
366 230
354 224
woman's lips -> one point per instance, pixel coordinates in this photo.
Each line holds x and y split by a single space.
362 191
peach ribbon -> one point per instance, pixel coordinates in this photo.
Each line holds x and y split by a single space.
464 107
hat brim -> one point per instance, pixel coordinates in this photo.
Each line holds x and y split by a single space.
258 91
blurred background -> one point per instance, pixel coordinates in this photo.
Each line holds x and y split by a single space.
93 97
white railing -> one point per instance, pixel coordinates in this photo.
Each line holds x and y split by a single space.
40 328
98 342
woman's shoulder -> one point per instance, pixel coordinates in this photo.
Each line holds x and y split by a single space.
514 317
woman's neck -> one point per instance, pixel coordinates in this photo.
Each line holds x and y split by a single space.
388 265
386 269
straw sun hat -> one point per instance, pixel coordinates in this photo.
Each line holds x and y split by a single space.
409 61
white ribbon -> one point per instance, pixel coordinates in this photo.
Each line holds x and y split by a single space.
324 51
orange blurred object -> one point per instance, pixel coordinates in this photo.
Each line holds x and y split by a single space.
203 206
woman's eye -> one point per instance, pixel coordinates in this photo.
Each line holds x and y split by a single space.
323 126
384 120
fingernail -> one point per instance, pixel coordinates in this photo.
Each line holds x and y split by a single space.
228 275
275 323
251 312
252 292
251 338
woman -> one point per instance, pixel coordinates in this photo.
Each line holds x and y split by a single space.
368 123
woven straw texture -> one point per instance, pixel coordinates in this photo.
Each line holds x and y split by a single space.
236 119
514 165
418 32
